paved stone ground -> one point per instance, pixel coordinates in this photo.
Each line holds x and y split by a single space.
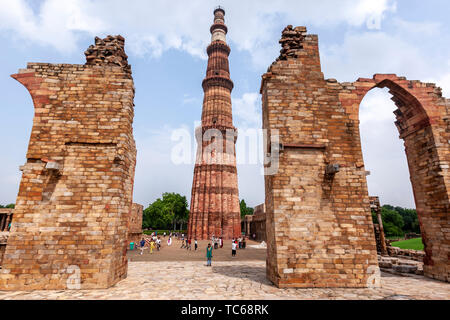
174 253
229 279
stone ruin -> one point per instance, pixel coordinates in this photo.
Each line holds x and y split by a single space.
74 215
256 224
319 226
71 216
135 223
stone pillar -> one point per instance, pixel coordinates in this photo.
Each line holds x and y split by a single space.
248 228
318 219
382 238
8 220
2 222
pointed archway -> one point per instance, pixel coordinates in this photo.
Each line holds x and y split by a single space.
423 124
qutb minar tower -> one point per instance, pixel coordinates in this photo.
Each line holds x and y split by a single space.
215 197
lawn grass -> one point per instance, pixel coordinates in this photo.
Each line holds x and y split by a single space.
413 244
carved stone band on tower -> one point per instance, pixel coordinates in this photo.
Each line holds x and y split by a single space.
215 196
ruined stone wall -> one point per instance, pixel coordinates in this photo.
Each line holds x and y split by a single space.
319 227
135 223
324 209
424 125
258 226
75 196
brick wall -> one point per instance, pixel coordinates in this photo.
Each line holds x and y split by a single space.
75 196
135 223
424 125
319 227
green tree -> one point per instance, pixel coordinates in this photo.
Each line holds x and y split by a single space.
245 211
166 213
392 221
9 206
410 219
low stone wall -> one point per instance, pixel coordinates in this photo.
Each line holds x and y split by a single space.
400 265
406 254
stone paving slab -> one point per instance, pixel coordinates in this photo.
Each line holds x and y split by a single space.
225 280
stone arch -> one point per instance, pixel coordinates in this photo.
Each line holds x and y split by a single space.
423 124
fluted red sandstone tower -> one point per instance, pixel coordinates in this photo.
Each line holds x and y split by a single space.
215 197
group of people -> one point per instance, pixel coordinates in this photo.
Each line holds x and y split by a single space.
216 242
153 242
187 244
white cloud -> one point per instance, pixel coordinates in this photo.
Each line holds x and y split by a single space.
155 170
156 26
383 150
57 24
364 54
247 110
403 49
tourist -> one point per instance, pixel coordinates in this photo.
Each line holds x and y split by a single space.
254 236
164 235
240 242
189 245
244 243
196 244
183 244
209 251
221 242
142 245
152 246
233 249
169 241
158 244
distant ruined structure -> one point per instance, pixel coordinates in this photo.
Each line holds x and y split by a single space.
215 207
70 223
256 224
319 226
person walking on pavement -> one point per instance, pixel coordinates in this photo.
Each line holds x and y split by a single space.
209 251
142 246
233 249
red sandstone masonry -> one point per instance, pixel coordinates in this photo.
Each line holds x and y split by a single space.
135 223
319 229
215 197
75 196
424 125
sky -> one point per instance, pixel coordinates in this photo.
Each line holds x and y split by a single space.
166 44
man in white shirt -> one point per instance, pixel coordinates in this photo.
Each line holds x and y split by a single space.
233 249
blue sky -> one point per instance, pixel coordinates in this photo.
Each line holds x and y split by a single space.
166 41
